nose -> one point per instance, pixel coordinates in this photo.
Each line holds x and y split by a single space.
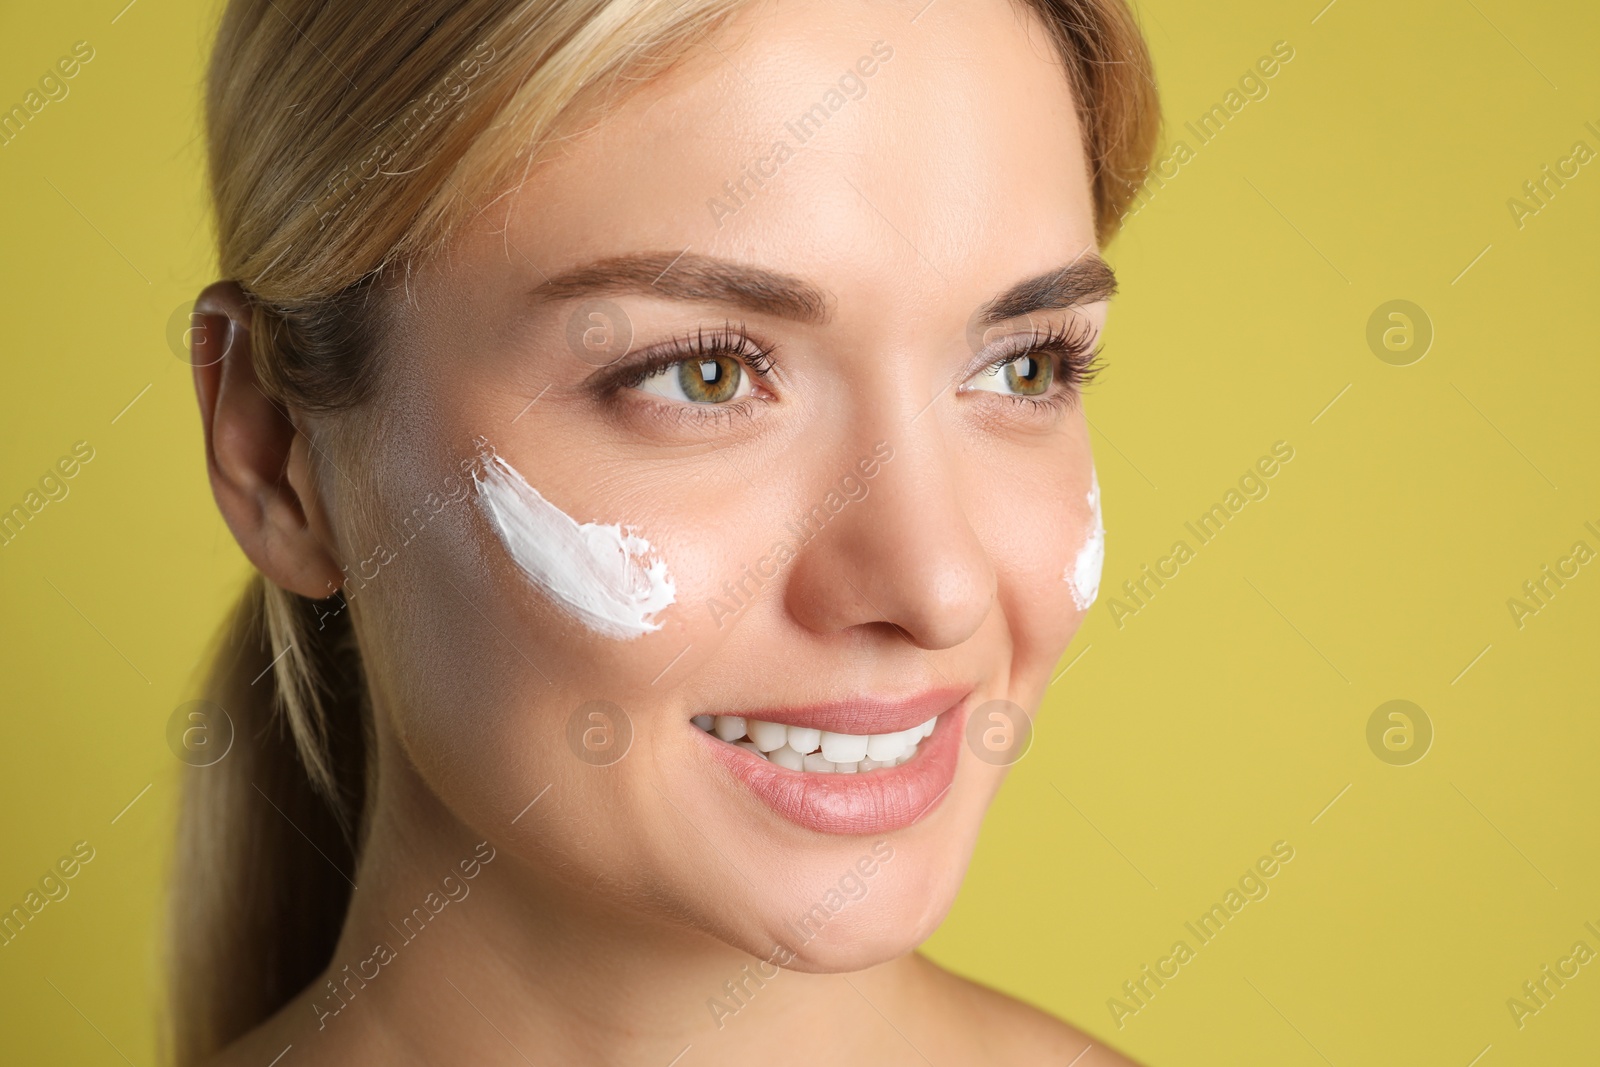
899 553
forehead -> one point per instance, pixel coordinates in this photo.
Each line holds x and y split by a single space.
842 142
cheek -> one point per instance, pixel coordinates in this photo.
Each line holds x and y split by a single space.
459 623
1048 549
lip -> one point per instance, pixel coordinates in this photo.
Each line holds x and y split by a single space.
869 802
861 715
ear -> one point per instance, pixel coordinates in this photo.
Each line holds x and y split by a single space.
258 460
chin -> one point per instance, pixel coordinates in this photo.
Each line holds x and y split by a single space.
901 909
855 869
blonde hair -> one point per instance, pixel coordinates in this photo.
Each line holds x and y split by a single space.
348 138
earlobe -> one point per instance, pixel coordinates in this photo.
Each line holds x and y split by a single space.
261 480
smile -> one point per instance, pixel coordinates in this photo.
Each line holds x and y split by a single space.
806 748
859 766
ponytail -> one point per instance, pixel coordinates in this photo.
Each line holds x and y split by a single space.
269 835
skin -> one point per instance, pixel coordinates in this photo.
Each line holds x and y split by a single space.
628 894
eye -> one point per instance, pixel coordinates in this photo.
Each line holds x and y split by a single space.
1026 375
705 379
1048 366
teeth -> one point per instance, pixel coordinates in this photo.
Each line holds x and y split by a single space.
844 748
803 748
803 739
815 762
788 758
768 736
886 748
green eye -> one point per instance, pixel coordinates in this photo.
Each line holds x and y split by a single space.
1029 375
1025 375
711 379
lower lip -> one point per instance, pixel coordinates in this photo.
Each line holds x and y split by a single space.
867 802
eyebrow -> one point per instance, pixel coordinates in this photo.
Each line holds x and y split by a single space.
703 279
1086 280
706 279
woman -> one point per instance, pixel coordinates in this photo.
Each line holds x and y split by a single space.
656 427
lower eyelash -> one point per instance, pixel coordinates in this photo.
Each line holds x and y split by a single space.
701 415
1058 398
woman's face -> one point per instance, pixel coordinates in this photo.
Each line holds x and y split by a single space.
801 319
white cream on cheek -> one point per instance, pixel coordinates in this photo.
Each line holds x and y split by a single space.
1083 577
607 576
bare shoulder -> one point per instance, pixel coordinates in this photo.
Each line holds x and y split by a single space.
1003 1029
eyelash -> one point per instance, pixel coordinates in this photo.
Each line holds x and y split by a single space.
1077 363
726 340
729 339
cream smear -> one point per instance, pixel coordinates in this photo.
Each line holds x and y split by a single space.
1083 577
606 575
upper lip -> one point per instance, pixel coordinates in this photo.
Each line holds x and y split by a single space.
863 714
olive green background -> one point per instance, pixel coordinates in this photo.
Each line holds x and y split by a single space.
1228 713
